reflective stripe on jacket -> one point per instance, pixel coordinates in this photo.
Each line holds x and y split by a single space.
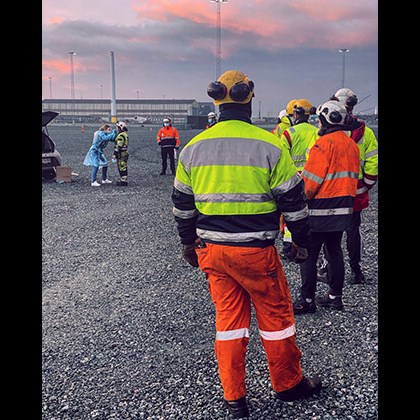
231 182
330 177
298 139
168 137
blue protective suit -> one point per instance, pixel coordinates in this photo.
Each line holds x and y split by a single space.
95 155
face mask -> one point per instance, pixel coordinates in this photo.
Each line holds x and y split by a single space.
209 120
166 124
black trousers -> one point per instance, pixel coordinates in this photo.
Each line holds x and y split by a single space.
308 269
168 152
354 243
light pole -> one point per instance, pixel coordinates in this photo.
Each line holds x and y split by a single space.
343 51
138 94
102 91
72 53
49 78
218 37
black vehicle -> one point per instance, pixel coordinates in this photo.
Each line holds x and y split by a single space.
51 157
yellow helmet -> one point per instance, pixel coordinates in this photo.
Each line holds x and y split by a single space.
303 107
289 107
233 86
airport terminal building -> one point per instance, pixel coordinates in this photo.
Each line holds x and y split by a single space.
182 111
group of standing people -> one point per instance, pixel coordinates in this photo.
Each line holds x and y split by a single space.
233 182
300 137
95 157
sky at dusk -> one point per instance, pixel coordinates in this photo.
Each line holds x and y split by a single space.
167 49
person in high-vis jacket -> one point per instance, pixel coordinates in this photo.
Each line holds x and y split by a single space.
366 140
231 183
330 175
169 142
284 119
298 139
121 153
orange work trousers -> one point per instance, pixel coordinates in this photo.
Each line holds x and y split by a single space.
237 276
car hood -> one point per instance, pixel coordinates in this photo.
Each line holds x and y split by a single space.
48 116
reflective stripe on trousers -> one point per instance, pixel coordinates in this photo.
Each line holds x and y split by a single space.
237 276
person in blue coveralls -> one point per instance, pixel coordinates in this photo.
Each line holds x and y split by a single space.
95 156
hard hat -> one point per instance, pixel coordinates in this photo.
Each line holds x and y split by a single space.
302 107
334 113
122 125
211 115
282 113
346 96
289 107
233 86
167 120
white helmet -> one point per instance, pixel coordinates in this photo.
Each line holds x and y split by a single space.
346 96
122 126
334 113
211 115
167 120
282 113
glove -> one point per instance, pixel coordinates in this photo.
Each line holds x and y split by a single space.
159 143
189 254
176 147
298 254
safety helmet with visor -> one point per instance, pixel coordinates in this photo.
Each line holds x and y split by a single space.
122 126
334 113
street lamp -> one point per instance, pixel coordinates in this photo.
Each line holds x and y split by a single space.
138 94
49 78
218 37
102 91
344 51
72 53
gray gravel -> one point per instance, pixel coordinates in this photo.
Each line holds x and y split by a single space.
128 326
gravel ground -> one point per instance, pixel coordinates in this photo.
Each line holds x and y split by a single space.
128 326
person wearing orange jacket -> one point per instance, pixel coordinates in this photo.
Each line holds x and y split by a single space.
366 140
169 142
330 176
231 183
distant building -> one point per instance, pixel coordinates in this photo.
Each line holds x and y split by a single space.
131 110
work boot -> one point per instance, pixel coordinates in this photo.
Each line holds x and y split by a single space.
162 173
238 408
304 389
357 278
122 183
327 302
301 306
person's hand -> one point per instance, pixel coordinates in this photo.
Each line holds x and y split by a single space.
298 254
189 254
